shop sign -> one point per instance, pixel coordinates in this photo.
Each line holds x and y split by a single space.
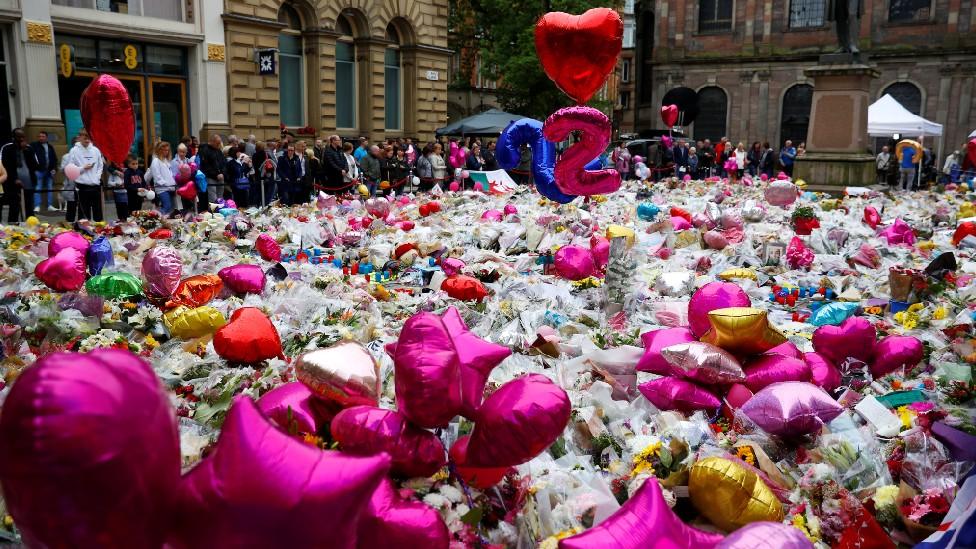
266 62
66 60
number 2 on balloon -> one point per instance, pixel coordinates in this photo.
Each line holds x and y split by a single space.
571 174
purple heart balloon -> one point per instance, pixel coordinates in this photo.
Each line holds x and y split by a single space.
766 535
366 430
668 393
162 269
791 408
655 342
243 278
427 372
894 352
394 521
853 338
769 369
477 359
712 296
90 454
67 239
518 421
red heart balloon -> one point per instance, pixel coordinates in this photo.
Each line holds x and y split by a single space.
669 114
249 337
107 114
188 191
465 288
579 52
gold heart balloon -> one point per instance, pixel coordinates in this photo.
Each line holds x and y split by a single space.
730 495
742 330
345 374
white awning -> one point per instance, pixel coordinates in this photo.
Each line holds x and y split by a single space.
887 117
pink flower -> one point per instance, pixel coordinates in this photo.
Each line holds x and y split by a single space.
921 407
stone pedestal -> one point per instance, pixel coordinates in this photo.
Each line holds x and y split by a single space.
837 140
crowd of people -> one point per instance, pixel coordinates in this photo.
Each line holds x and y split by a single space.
911 170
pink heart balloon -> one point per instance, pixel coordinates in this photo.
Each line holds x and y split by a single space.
90 454
769 369
853 338
894 352
668 393
518 421
679 224
712 296
293 408
655 342
64 272
162 269
243 278
644 521
67 239
600 248
427 372
262 488
394 521
269 249
574 262
766 534
822 372
477 359
72 171
366 430
792 408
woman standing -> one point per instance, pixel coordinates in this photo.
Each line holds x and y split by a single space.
475 162
438 165
740 160
240 183
425 170
160 176
181 172
753 157
352 176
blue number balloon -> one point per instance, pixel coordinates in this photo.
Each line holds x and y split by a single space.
529 132
100 255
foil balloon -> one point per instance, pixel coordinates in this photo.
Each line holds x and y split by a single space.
594 129
197 290
100 255
464 288
766 535
643 522
791 409
64 271
737 273
668 393
769 369
518 421
966 228
72 172
742 330
787 348
579 52
730 495
479 477
852 338
477 358
574 262
91 455
292 407
114 286
704 363
655 342
679 224
600 247
391 520
345 374
269 249
187 323
798 256
162 269
427 372
781 192
738 395
67 239
872 217
898 233
647 211
367 430
187 190
711 296
895 352
753 211
248 337
669 115
107 113
243 278
378 207
833 313
452 266
263 488
715 240
823 373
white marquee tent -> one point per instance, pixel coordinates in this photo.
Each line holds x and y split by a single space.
887 116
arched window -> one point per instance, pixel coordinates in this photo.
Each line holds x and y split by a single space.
291 68
713 106
393 81
796 113
907 94
345 74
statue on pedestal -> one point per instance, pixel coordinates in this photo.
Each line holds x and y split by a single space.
847 15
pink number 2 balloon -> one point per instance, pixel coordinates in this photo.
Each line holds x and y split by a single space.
570 172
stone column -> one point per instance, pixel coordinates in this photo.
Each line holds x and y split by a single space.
320 52
209 102
370 101
37 100
763 77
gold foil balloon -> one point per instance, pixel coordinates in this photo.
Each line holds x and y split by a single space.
186 323
730 495
345 374
614 231
742 330
732 274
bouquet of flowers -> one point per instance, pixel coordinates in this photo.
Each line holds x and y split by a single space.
804 220
922 512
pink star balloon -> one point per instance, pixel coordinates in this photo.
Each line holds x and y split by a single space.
427 372
477 358
394 521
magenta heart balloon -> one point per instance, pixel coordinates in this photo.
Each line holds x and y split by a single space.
822 372
394 521
64 272
679 224
769 369
668 393
792 408
600 248
263 488
894 352
574 262
853 338
477 359
518 421
427 372
269 249
643 521
766 534
366 431
162 269
90 454
712 296
67 239
243 278
293 407
655 342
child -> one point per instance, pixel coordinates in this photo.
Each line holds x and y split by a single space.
133 180
116 183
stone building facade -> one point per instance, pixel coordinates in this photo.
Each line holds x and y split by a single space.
746 59
376 68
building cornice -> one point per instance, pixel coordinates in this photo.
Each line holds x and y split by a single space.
251 20
426 48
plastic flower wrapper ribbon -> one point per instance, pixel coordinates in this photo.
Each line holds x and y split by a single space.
791 409
261 487
367 430
770 369
854 337
730 495
392 520
742 330
711 296
833 313
345 374
114 285
244 278
100 255
643 521
766 535
162 269
798 256
899 233
63 272
247 338
669 393
704 363
655 342
67 239
90 453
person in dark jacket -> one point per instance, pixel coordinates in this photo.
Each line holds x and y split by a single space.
334 164
753 157
236 176
47 166
680 155
290 176
213 164
21 166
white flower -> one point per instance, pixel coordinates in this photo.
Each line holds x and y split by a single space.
451 493
437 501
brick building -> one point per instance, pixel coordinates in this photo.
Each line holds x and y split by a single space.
746 60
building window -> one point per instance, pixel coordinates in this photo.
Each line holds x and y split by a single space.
713 107
624 99
907 94
629 29
345 75
795 119
393 82
625 70
807 14
174 10
715 15
907 11
291 68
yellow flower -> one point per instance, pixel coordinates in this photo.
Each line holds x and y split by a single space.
800 523
940 313
915 307
151 342
885 495
905 415
8 521
643 460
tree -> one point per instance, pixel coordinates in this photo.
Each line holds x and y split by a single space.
503 33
